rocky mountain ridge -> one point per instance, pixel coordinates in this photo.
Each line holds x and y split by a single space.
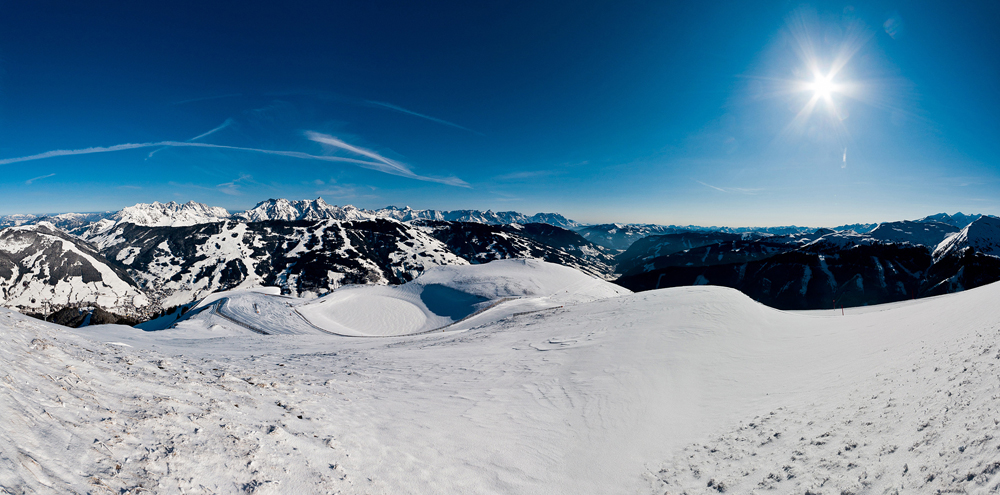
147 259
892 262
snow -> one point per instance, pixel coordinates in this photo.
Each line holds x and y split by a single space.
437 299
53 271
318 209
692 389
928 234
158 214
982 235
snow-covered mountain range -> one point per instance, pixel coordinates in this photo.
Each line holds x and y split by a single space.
43 269
173 214
157 256
174 265
981 235
317 209
894 261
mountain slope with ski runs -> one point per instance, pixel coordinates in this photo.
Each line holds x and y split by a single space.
170 255
151 260
514 376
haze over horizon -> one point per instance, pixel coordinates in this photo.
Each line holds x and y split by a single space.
728 114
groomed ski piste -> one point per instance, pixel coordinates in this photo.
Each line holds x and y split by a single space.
511 377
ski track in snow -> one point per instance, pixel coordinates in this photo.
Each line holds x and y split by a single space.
686 390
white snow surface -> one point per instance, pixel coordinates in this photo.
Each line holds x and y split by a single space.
843 239
440 297
982 235
158 214
283 209
683 390
928 234
318 209
42 280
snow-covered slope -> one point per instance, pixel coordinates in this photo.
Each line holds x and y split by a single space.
687 390
481 243
43 269
982 235
17 219
644 250
157 214
840 240
406 214
621 236
317 209
74 223
446 294
170 214
959 220
181 264
175 265
924 233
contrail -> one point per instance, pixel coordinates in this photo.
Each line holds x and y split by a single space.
225 124
709 185
387 165
40 177
332 141
393 168
390 106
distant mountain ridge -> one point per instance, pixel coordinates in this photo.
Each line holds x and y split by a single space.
43 268
959 219
173 214
617 236
147 258
892 262
982 235
318 209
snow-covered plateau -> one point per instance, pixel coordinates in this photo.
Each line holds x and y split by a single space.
532 378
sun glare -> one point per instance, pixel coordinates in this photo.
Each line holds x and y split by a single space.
822 86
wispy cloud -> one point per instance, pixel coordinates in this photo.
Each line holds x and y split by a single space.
741 190
390 106
529 174
381 164
222 126
347 192
709 185
40 177
232 187
225 124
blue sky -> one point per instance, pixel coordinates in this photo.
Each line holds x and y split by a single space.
660 112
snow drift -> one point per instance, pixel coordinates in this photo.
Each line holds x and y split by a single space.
685 390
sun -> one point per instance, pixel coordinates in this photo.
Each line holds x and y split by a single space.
822 86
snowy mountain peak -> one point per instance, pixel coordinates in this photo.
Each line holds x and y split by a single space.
158 214
43 268
959 219
170 214
928 234
981 235
317 209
